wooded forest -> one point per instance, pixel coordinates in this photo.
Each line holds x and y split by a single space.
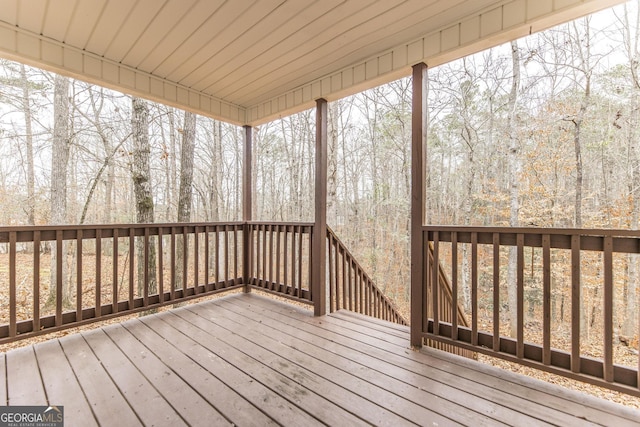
540 132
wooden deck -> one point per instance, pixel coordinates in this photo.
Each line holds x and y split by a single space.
249 360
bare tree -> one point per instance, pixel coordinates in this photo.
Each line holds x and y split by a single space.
186 183
514 179
141 176
59 167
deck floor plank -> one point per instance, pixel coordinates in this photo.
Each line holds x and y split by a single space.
107 401
240 395
255 364
513 379
246 359
23 378
60 382
538 392
382 325
485 402
163 369
478 380
141 395
343 390
423 389
362 374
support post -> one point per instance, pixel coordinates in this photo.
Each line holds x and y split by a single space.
319 236
246 208
418 138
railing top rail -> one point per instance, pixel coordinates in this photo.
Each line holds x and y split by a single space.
49 227
282 223
391 305
534 230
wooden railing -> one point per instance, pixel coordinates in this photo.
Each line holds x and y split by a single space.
55 277
281 259
445 302
573 268
350 287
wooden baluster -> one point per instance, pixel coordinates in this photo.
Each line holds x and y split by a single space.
226 255
299 263
145 275
13 330
427 258
356 287
236 254
132 251
252 255
496 291
277 277
79 276
98 302
608 309
575 303
59 276
310 231
474 288
546 299
172 289
520 295
345 291
185 260
332 293
196 261
285 267
160 266
434 283
360 288
36 280
115 296
351 290
367 296
454 285
264 257
258 257
217 260
294 265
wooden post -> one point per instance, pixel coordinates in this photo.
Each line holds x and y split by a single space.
318 251
418 131
246 209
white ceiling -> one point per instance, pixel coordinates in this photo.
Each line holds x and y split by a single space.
249 61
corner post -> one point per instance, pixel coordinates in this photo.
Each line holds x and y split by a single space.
319 236
418 140
246 208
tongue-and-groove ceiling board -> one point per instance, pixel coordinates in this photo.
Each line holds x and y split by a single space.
249 61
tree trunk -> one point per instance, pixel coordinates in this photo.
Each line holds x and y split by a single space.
514 170
59 166
631 301
185 193
141 177
26 109
335 110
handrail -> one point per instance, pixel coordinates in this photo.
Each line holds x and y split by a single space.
351 288
446 300
547 251
280 259
197 259
105 271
